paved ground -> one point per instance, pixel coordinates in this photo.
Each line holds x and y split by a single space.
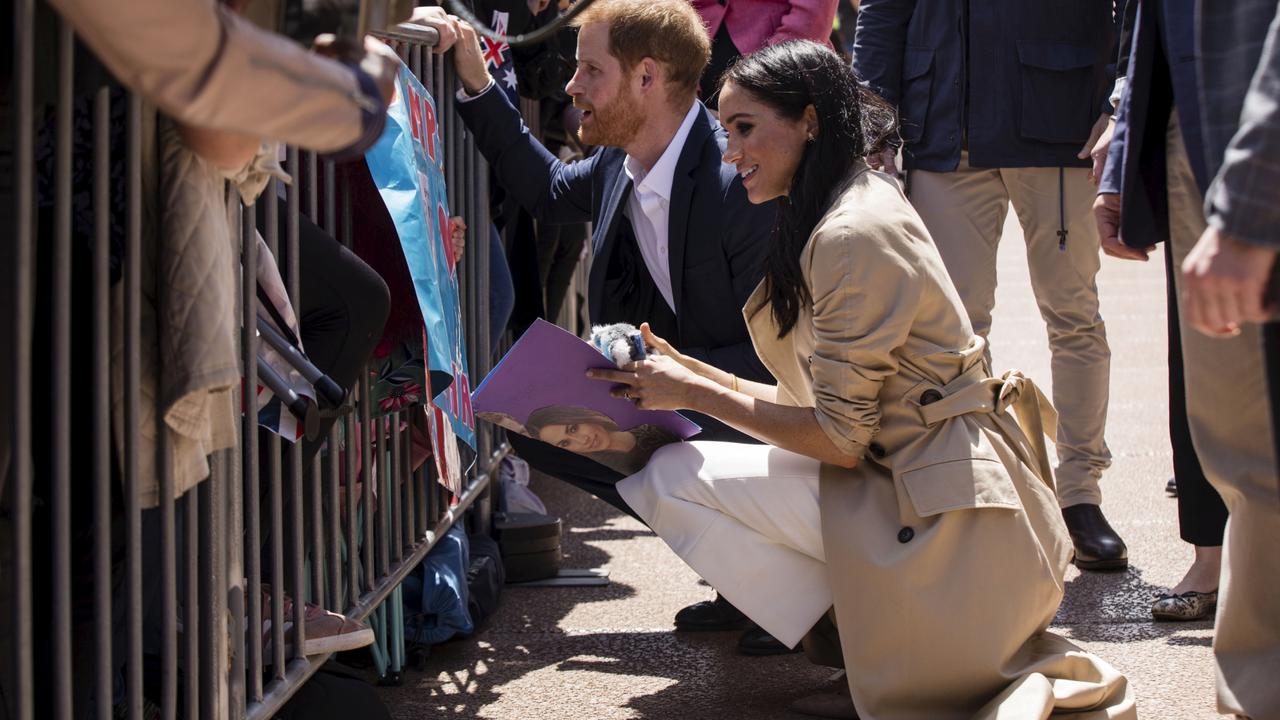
597 653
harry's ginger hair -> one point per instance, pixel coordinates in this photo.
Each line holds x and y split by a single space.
669 31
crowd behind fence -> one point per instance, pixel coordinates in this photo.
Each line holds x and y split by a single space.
187 575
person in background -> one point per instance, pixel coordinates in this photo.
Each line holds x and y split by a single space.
1151 191
740 27
998 114
1225 278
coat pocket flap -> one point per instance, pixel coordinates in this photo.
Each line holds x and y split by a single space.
916 62
1056 56
960 484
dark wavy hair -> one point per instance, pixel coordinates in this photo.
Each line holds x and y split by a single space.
852 123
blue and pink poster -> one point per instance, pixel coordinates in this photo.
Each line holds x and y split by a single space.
407 165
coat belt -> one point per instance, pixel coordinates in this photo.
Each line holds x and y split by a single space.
1037 418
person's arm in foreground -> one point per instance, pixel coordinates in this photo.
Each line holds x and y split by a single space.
203 65
1225 275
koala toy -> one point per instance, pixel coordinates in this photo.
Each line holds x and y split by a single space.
620 342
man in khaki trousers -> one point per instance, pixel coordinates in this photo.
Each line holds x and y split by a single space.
995 116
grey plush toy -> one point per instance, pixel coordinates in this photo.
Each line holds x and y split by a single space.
620 342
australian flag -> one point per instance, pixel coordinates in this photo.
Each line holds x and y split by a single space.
497 56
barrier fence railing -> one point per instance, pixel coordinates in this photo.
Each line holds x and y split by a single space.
111 605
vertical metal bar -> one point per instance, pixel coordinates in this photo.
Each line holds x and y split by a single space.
236 676
313 187
168 547
20 382
297 501
249 445
191 604
315 523
132 381
384 492
352 435
394 505
410 492
213 631
369 476
274 480
101 408
331 205
335 533
60 432
168 555
484 359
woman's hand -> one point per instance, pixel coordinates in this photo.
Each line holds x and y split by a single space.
662 346
655 383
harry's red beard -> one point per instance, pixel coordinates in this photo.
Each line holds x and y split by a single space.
614 124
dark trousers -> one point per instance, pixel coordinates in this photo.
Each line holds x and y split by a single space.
1202 516
559 247
343 307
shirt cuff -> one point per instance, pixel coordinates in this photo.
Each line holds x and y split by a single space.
1117 91
465 97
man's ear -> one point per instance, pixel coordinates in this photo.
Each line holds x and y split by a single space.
647 74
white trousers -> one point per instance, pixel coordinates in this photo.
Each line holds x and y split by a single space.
745 518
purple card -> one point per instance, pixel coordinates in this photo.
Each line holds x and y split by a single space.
540 390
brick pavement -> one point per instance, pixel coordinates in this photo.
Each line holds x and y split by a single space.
606 653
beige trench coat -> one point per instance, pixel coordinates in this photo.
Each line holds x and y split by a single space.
945 547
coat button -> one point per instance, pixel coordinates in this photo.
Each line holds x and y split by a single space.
930 396
905 535
876 450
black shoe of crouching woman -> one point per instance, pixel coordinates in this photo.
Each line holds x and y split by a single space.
757 641
711 615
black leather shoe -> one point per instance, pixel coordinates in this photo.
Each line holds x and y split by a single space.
757 641
1098 547
718 614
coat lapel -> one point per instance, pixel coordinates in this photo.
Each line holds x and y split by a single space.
683 183
610 216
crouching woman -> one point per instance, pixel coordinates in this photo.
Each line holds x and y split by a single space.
900 482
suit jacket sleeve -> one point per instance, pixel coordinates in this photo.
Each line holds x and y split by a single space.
551 190
879 43
747 234
806 20
1113 172
1242 198
201 64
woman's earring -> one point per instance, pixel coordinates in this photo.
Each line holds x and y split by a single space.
810 137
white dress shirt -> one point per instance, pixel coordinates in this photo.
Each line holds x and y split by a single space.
649 206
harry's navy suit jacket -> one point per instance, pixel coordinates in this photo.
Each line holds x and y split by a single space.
717 239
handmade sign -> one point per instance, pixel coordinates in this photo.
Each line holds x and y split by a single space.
407 165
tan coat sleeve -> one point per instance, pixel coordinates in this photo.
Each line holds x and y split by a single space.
865 299
203 65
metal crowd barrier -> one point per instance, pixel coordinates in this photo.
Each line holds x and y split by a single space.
338 550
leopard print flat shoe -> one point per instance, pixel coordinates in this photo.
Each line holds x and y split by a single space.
1185 607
